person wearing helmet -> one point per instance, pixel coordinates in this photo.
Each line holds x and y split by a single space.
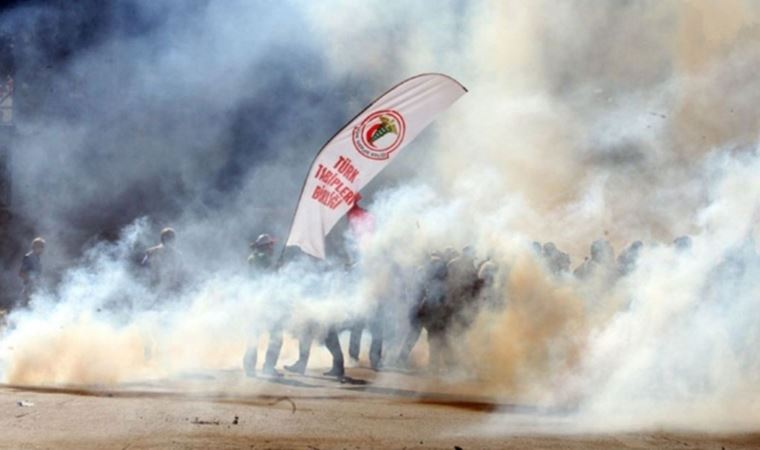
260 262
31 270
262 253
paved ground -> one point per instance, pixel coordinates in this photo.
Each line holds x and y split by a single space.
223 409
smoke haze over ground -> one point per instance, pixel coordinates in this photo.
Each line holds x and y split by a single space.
584 120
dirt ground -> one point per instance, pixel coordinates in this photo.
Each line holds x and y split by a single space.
224 409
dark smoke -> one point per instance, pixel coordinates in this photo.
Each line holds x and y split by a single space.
172 111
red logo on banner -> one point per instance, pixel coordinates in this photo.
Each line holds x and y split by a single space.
379 134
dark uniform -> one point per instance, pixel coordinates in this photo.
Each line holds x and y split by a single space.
261 261
430 292
460 283
458 312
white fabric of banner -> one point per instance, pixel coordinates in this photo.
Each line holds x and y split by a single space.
361 149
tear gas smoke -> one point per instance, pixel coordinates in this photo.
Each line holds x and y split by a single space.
626 121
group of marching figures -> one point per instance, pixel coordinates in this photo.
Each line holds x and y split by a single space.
448 291
446 294
443 294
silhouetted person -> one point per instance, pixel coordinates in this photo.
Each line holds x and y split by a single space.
157 254
31 271
164 263
430 312
260 262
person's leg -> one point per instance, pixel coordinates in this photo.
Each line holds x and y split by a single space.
376 347
304 352
412 336
24 297
333 345
250 357
355 342
273 351
435 348
448 357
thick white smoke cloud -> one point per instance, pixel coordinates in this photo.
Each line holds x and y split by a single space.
584 120
106 323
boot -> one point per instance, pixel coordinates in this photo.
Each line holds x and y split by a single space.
335 372
271 372
298 367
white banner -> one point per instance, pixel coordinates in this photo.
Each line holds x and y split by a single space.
361 149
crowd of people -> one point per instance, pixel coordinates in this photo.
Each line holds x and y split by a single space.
443 296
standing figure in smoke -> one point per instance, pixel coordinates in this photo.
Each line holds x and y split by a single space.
361 227
31 271
461 282
163 251
431 310
261 262
423 277
164 262
452 293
